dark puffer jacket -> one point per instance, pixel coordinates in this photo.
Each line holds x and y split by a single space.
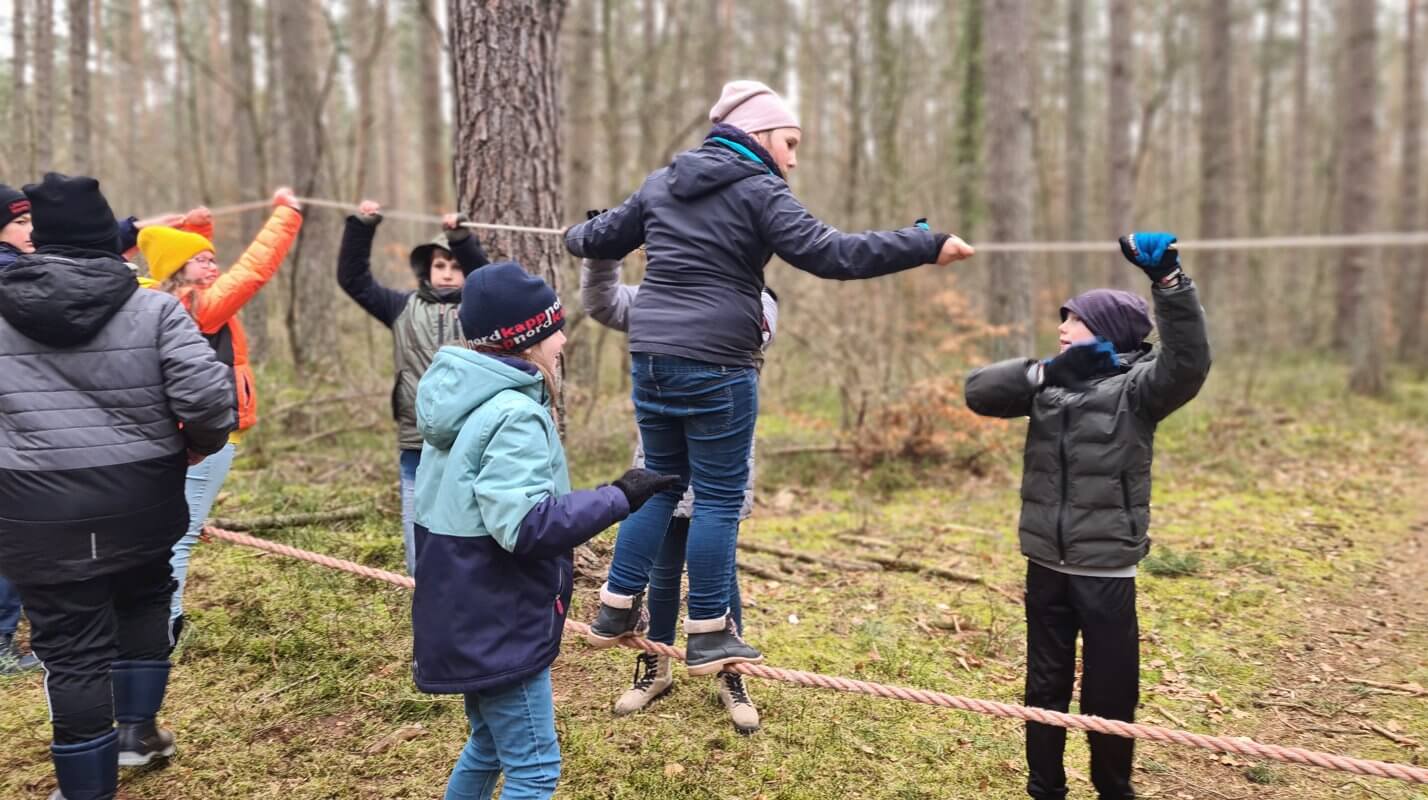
1086 477
96 378
710 222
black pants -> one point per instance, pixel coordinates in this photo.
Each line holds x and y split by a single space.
79 629
1102 610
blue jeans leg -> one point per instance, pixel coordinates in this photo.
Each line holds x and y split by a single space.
696 421
408 461
665 575
513 731
201 489
10 609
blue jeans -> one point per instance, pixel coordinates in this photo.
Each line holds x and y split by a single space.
512 731
200 488
408 461
664 585
9 609
696 421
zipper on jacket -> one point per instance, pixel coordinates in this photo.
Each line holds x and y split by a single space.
1126 501
1061 510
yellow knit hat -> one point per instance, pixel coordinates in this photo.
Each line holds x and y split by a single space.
168 249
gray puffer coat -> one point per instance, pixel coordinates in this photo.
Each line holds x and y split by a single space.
1085 487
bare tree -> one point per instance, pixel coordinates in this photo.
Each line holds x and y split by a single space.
1412 276
44 42
1009 157
507 131
967 152
1359 315
431 56
250 165
1076 134
611 36
1217 147
23 152
1299 147
79 107
1120 108
309 311
579 190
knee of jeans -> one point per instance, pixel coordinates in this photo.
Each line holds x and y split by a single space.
542 774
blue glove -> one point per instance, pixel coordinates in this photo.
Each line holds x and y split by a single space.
1153 252
922 223
1079 363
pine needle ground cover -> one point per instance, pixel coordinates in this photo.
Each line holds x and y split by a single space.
1284 600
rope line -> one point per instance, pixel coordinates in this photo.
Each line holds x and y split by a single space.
1305 242
1221 744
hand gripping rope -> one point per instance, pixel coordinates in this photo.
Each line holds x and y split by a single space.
1407 239
1223 744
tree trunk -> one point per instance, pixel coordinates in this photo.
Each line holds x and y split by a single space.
1217 147
250 173
611 37
1120 111
853 194
507 131
1076 138
1360 317
22 152
370 27
1412 275
309 312
1300 136
580 192
81 158
44 42
431 56
1009 185
968 149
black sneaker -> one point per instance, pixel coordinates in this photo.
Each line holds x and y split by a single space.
12 661
707 651
620 617
142 742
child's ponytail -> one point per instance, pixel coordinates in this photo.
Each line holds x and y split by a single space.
547 372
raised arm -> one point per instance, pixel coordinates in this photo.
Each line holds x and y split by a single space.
354 270
258 264
465 246
1182 361
611 235
605 298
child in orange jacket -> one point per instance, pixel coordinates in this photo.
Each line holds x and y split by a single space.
182 263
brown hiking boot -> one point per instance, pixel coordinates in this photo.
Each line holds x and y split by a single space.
653 680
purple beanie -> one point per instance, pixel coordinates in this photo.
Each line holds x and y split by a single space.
1122 318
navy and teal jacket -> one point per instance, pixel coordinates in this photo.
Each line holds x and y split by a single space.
495 524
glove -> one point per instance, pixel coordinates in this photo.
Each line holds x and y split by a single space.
1153 252
922 223
1079 363
594 212
639 485
458 232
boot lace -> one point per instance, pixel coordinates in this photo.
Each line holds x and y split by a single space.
646 669
734 683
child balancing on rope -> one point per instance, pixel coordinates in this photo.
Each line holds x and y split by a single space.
1085 511
495 524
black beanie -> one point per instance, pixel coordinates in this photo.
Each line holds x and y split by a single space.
1120 317
13 203
508 308
71 212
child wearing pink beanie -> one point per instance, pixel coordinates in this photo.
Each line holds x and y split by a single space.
752 107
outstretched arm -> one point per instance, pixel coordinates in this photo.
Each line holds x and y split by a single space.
354 268
605 298
258 264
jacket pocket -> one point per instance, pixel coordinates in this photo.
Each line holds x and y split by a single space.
1126 504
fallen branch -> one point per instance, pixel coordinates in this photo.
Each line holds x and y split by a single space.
802 450
767 573
1164 712
901 565
808 558
290 520
865 541
297 444
1407 688
301 405
1391 736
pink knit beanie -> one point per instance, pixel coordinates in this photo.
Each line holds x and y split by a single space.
752 107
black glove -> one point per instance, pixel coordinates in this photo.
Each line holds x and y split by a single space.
594 212
460 233
639 485
1153 252
1079 363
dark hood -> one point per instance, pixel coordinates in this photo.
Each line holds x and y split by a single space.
713 166
64 300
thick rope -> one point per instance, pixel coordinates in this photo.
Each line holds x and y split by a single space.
1382 239
1222 744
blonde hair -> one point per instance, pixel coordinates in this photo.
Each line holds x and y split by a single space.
528 355
185 290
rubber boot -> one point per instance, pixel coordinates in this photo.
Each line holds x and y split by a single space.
138 693
712 644
620 617
88 770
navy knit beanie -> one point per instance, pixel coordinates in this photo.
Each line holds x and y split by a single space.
1122 318
13 203
507 308
72 212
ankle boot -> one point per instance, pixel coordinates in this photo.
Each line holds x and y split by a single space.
621 616
735 697
88 770
653 680
712 644
139 688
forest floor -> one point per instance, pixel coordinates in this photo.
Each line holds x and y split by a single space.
1287 586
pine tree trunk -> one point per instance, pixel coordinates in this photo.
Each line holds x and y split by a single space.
1412 275
1076 138
1009 184
853 194
580 192
1217 147
309 311
611 36
1299 146
44 43
81 158
968 148
507 131
1120 111
436 175
1360 317
22 150
250 173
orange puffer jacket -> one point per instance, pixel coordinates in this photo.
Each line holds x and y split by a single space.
215 309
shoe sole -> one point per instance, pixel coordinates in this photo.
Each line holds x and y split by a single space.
714 667
743 731
604 642
135 760
662 692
